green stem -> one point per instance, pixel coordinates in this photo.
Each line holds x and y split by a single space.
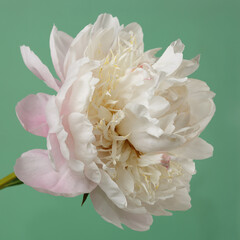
9 180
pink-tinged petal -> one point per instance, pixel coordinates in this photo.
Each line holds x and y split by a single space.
112 190
83 138
59 45
35 65
53 115
75 71
171 58
55 125
77 47
111 213
32 115
55 154
36 169
195 149
81 93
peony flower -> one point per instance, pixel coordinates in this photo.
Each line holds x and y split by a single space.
123 126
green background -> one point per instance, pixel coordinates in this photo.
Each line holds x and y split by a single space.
208 27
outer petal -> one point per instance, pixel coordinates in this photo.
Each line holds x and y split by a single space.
187 67
75 71
59 45
112 190
35 169
81 93
134 34
105 21
31 113
100 45
195 149
103 36
55 125
111 213
157 210
171 58
83 138
92 172
54 153
181 201
149 56
202 111
35 65
94 41
77 47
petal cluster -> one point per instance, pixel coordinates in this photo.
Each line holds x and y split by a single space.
123 126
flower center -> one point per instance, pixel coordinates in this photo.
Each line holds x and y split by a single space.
118 156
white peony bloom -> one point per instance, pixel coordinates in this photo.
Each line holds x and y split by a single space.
124 125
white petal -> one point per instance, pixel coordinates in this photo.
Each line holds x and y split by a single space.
35 65
145 142
187 67
195 149
116 216
59 45
101 44
78 69
188 165
105 21
137 222
171 58
157 210
83 138
77 47
195 85
158 106
136 34
149 56
105 207
125 180
181 201
92 172
112 190
103 36
145 133
55 125
201 111
81 93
